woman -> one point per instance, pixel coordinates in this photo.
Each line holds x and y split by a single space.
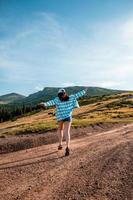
64 107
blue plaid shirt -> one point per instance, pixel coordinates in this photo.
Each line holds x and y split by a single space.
64 108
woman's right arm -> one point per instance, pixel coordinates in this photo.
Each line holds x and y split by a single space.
80 93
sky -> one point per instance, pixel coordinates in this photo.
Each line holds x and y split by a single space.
60 43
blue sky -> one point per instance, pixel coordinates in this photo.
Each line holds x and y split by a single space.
65 43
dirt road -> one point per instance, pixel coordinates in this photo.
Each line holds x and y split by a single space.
100 167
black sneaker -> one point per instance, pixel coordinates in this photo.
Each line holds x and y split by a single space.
67 151
60 147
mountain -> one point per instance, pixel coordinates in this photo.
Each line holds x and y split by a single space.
11 97
50 92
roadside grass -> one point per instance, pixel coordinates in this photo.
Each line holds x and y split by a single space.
38 127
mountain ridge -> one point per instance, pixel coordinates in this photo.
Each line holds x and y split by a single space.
10 97
50 92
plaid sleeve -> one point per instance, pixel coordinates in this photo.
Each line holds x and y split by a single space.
50 103
79 94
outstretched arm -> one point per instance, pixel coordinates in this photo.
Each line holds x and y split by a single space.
48 103
80 94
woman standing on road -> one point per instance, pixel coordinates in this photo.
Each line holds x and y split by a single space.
64 107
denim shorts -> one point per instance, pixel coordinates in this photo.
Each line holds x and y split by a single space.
68 119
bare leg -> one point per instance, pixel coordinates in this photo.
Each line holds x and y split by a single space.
60 132
67 126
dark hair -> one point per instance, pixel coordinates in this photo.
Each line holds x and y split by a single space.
60 95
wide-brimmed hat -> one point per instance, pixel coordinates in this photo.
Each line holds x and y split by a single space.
62 90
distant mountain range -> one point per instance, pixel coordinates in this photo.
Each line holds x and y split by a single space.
50 92
9 98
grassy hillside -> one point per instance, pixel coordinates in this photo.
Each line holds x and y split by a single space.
14 105
51 92
9 98
117 108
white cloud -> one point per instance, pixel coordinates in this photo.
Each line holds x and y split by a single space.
68 84
109 84
39 87
127 32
